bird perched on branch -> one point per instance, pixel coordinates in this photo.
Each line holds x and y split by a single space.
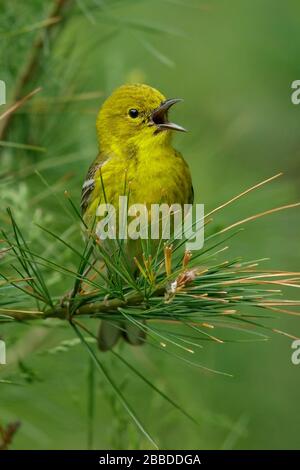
134 136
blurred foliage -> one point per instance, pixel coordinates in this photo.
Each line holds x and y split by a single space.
233 62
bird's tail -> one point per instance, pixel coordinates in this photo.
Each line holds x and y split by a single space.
110 332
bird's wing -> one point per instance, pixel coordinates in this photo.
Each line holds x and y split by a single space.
89 182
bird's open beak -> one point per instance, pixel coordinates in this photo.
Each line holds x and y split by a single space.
159 116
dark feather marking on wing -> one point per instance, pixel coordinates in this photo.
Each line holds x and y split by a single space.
87 190
191 198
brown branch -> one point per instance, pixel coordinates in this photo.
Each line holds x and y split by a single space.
30 69
7 434
103 306
88 309
18 104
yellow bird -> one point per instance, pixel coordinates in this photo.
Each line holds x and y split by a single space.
134 137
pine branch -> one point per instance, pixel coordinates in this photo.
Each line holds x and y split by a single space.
88 309
192 290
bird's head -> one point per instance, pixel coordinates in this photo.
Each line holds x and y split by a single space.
135 115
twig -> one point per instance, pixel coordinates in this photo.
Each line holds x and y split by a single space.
92 308
18 104
7 433
62 312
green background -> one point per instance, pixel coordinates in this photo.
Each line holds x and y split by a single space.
233 62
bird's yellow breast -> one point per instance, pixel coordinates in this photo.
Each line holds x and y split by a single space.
159 175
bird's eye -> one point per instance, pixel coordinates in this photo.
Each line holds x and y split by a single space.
133 113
